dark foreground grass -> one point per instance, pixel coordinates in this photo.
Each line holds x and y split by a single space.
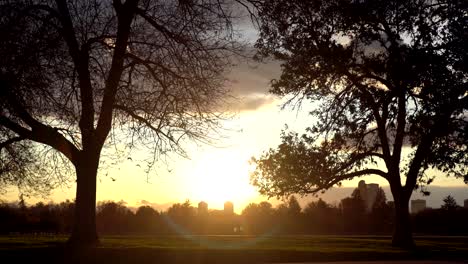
227 249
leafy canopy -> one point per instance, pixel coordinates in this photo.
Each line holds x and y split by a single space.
74 72
384 75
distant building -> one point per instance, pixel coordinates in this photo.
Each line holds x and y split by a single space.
418 205
368 193
465 203
228 208
202 208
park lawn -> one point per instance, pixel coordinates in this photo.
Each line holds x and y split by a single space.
294 243
235 249
324 244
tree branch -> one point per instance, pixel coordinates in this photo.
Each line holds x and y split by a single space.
15 127
81 61
381 123
167 33
359 157
400 130
349 176
10 141
44 134
145 122
125 15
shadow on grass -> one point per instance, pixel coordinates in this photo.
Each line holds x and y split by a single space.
226 249
62 254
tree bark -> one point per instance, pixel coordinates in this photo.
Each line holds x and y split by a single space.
84 229
402 235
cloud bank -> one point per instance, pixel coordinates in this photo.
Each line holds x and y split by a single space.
250 83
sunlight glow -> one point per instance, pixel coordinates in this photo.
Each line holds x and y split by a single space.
221 176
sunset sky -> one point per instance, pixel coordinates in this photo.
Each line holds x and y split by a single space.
217 173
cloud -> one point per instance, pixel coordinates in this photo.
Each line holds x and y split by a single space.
156 206
250 83
253 78
250 103
438 193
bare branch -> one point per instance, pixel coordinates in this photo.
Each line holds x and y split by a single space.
10 141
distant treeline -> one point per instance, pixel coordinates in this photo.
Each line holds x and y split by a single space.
350 216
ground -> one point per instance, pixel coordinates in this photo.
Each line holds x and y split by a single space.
385 262
229 249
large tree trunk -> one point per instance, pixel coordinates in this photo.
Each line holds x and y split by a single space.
402 235
84 228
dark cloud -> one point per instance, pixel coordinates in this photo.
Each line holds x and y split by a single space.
250 83
248 79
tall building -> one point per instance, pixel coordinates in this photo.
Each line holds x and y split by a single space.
228 208
418 205
368 193
465 203
202 208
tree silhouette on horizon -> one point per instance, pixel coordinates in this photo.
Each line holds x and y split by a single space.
449 203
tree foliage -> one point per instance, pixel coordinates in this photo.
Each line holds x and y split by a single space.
386 74
148 72
383 75
260 219
450 203
76 76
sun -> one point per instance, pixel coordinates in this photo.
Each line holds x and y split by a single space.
222 176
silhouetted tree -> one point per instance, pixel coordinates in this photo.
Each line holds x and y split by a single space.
450 203
294 207
180 216
382 74
65 212
9 219
146 219
221 222
113 218
354 215
289 215
321 218
441 222
380 199
73 71
258 218
43 218
381 214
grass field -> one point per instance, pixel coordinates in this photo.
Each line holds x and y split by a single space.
229 249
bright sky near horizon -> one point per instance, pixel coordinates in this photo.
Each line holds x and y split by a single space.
213 174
